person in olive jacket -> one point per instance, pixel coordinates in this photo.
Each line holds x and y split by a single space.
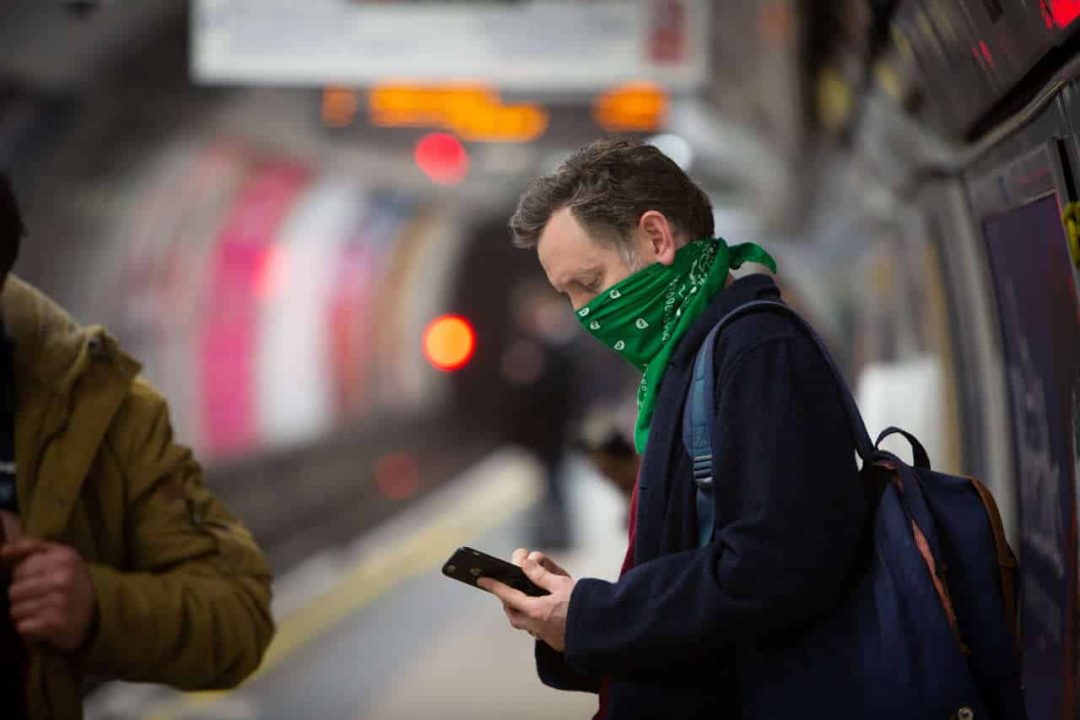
118 562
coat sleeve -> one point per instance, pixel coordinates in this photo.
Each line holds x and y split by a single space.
792 511
555 672
191 607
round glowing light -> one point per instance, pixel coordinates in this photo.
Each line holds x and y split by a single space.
443 158
449 342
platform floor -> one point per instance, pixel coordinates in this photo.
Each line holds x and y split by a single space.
373 631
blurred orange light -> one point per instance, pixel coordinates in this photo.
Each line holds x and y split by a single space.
473 112
339 107
443 158
501 123
449 342
423 106
635 107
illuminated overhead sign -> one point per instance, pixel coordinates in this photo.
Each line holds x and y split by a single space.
473 112
557 45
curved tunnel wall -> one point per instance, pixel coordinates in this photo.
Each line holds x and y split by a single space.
274 300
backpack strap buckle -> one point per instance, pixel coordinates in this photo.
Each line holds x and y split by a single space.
702 470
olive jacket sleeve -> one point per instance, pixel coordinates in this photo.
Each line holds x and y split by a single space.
191 605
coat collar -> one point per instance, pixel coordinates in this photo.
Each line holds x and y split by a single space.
744 290
70 382
50 347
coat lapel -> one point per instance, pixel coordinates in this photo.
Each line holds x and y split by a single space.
39 414
665 437
656 465
70 382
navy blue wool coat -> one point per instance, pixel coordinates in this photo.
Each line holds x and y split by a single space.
790 513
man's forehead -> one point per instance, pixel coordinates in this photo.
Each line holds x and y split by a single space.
561 233
566 251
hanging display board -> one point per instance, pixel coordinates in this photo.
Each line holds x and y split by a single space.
537 45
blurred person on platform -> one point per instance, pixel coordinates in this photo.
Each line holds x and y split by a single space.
539 410
626 235
117 561
608 443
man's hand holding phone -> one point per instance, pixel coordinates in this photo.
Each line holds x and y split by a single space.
542 617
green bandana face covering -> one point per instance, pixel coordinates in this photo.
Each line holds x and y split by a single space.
643 317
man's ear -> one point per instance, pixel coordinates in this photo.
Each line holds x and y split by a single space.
660 235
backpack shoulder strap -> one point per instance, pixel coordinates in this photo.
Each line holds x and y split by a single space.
699 418
699 412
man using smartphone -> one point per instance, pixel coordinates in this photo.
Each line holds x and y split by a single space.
116 561
625 234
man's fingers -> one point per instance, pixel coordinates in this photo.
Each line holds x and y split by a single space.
514 598
35 565
517 618
519 556
550 565
541 576
35 628
21 549
31 588
28 609
520 621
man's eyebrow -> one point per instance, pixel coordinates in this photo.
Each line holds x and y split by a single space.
582 275
573 277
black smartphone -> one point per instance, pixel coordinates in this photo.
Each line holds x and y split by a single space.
468 566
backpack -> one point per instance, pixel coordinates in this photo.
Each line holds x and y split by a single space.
927 627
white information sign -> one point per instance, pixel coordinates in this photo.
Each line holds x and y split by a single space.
545 45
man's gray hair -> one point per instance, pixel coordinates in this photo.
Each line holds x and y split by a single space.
607 186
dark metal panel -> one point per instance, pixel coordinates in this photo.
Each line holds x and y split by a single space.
952 81
1070 100
1030 177
1026 167
971 53
1010 37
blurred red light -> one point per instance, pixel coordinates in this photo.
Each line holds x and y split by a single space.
1064 12
449 342
397 476
443 158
